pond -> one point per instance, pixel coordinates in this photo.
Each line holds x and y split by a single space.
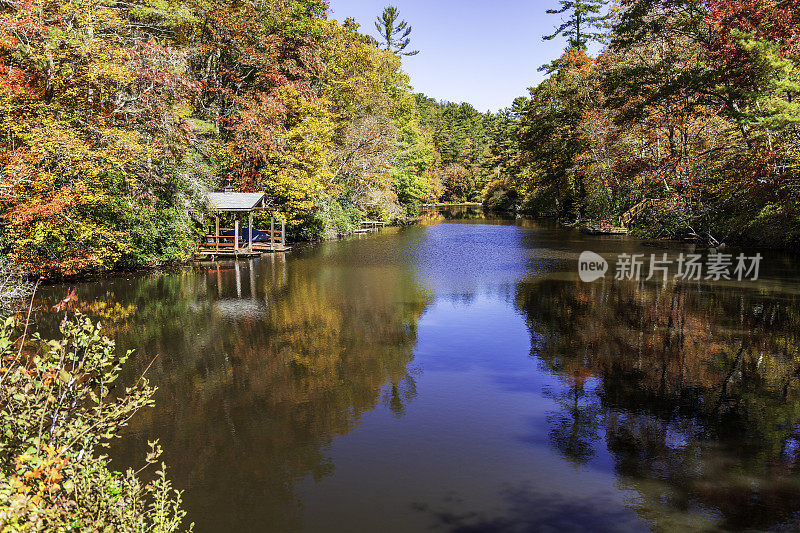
457 375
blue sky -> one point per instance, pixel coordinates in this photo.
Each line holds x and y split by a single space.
484 53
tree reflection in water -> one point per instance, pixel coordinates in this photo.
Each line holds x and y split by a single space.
695 394
532 510
260 367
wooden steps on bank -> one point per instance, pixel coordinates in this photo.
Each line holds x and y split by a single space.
605 228
631 214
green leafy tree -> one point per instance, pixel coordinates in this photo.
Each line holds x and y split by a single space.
394 32
414 162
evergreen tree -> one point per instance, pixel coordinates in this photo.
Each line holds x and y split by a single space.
394 32
585 23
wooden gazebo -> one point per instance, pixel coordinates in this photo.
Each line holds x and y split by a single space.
228 241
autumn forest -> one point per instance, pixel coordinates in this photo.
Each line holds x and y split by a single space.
451 373
118 117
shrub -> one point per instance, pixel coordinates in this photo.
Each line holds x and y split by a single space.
57 413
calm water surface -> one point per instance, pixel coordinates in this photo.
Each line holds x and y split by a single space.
457 376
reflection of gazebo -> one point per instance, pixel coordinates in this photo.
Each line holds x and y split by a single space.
231 241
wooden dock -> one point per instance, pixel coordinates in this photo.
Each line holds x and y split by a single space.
230 242
217 245
369 226
603 229
202 254
257 250
454 204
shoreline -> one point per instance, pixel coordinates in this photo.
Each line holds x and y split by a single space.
636 233
511 214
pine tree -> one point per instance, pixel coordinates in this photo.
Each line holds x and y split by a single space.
395 35
585 22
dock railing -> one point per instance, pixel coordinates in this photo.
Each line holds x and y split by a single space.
368 226
215 242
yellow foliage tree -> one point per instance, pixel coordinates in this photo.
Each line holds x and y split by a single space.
297 172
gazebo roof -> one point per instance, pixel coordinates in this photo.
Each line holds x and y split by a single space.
239 201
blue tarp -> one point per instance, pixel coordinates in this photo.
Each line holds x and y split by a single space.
258 235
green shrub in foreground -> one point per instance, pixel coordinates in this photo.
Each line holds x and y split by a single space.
57 413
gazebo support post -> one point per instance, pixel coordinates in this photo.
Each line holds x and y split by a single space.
216 234
271 232
236 235
250 231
